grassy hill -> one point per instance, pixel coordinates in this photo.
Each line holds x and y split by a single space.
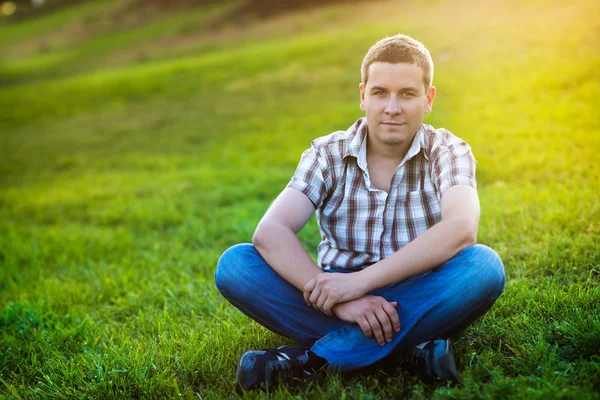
135 147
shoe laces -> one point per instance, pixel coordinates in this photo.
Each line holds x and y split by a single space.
417 358
418 362
287 367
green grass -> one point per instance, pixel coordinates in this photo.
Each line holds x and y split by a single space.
130 159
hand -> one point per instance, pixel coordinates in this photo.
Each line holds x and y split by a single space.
329 289
375 316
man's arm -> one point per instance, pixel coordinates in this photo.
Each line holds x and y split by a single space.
276 241
456 230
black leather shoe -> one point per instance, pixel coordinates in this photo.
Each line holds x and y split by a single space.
264 369
433 362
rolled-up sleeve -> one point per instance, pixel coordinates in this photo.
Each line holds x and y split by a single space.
454 164
310 177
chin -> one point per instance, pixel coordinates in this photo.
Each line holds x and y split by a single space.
393 140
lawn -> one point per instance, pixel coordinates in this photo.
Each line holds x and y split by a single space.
136 147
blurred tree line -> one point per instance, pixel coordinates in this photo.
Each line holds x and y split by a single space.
251 8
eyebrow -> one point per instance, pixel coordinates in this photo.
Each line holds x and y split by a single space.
406 89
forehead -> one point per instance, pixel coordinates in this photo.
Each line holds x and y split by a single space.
393 75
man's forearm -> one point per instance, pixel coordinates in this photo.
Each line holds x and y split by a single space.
283 251
436 246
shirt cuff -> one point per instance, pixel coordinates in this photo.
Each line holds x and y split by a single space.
458 180
309 191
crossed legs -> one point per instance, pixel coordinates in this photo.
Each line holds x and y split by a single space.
438 303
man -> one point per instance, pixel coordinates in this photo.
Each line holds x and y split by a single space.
399 272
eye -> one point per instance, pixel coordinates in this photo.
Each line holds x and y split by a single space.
407 94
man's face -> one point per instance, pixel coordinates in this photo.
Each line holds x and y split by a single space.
395 102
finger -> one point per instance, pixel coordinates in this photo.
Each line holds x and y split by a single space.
306 295
321 301
314 296
366 328
376 328
328 306
310 285
386 324
393 315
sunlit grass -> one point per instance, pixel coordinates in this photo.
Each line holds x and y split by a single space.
123 179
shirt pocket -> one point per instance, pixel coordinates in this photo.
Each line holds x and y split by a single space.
417 211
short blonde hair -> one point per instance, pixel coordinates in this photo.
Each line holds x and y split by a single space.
397 49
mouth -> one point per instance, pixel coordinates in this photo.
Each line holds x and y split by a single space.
393 123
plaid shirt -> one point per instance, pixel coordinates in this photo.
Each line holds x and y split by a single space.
361 224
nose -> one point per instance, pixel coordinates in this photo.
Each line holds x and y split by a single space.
393 106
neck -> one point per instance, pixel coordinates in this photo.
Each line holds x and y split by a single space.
391 153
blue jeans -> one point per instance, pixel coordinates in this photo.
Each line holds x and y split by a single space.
441 302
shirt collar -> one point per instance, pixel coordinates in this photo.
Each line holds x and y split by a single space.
358 132
357 146
417 145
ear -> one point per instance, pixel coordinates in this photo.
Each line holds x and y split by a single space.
362 89
430 96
